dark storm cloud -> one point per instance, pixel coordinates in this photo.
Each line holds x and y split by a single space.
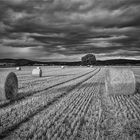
71 27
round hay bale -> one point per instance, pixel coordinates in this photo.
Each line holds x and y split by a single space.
37 72
119 81
18 68
62 67
38 68
8 86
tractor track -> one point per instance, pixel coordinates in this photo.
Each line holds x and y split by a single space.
56 99
24 95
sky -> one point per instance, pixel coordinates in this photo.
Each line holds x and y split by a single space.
66 30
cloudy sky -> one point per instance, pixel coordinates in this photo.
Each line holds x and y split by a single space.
51 30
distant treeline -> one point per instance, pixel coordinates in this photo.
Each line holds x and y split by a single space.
25 62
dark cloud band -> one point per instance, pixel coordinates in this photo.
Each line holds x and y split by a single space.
71 27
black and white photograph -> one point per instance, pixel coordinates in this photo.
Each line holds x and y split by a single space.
69 69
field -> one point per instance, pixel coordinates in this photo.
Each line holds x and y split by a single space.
69 104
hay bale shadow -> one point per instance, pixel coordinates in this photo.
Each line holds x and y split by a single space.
137 90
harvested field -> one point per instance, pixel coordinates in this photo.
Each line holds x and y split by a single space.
69 104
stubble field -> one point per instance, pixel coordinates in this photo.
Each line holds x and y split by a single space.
69 104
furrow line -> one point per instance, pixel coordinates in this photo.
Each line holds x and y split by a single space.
31 114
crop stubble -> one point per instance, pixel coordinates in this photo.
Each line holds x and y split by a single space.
76 109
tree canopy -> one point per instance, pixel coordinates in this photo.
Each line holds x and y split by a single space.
88 59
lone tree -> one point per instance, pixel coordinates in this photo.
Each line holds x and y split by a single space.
88 59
